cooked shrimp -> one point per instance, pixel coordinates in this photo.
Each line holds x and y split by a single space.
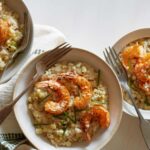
4 31
102 115
97 113
84 85
59 106
130 53
85 124
142 73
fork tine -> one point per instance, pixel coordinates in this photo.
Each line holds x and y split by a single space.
107 60
118 60
114 58
57 49
116 55
57 57
112 54
54 62
55 54
106 57
111 60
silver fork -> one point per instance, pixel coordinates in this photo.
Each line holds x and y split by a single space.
43 64
113 59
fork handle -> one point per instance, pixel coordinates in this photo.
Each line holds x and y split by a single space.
133 102
5 111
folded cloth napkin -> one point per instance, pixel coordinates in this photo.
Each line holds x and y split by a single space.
45 38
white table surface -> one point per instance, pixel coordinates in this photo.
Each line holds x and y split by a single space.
94 25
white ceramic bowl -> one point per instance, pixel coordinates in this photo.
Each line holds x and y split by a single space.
19 7
118 46
115 102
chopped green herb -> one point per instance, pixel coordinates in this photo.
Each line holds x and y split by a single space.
41 124
45 98
64 131
99 102
98 77
130 83
75 117
64 126
146 101
130 65
67 115
78 110
58 116
63 123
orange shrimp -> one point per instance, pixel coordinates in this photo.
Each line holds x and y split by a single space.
62 104
85 87
4 31
131 52
142 73
97 113
102 115
85 124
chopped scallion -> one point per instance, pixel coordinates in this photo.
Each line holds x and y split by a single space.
45 98
67 115
98 77
41 124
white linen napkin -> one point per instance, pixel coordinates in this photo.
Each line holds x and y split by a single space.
45 38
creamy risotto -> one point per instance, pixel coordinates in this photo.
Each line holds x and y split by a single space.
10 34
69 103
135 58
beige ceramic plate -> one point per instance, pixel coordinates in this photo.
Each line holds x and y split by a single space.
115 103
19 7
119 45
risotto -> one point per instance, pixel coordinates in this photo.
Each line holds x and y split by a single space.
10 34
135 58
69 103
